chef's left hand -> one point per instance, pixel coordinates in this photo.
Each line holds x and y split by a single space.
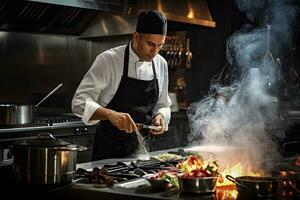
158 120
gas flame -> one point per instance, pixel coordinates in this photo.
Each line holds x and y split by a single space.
235 171
226 194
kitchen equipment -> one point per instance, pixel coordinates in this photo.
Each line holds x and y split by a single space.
156 128
45 160
197 185
13 114
264 187
157 183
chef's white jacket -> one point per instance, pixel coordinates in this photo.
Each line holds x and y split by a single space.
101 82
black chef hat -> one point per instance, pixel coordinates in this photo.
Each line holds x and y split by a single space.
152 22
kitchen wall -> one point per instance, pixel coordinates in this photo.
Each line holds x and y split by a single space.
209 47
33 64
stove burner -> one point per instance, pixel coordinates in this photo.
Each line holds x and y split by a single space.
110 174
56 119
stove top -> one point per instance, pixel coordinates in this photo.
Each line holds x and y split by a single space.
120 171
56 119
125 180
46 121
129 179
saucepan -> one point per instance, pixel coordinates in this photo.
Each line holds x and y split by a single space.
13 114
264 187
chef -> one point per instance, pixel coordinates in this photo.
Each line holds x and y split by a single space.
124 86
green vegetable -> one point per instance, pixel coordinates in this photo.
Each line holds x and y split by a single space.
171 179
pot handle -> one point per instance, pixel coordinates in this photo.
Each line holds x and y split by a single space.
54 90
232 179
75 148
81 148
46 135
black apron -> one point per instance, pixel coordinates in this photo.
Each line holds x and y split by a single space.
133 96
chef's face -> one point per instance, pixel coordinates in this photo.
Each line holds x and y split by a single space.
146 46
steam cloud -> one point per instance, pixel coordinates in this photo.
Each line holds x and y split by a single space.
242 108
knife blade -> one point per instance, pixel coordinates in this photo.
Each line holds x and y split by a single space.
156 128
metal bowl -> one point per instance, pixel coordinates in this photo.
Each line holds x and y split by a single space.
159 184
197 185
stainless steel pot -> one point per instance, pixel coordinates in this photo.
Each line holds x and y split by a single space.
45 160
13 114
198 185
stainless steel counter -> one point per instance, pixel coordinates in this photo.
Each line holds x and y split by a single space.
132 189
138 188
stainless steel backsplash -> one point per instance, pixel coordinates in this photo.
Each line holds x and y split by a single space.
31 65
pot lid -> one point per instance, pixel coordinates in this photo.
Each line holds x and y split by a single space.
44 140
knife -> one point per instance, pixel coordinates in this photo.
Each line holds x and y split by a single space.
156 128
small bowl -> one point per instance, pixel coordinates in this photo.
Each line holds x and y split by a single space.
157 183
198 185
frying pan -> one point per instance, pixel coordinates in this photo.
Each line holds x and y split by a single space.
256 186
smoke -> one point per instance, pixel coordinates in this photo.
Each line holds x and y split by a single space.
242 108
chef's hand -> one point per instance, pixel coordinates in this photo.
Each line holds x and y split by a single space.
158 120
123 121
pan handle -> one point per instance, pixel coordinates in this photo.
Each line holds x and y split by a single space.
54 90
232 179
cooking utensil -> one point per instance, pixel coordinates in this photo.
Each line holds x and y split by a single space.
48 95
45 160
13 114
256 186
156 128
197 185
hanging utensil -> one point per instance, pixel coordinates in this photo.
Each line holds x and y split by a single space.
188 55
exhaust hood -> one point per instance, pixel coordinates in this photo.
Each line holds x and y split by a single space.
193 12
185 11
95 18
53 16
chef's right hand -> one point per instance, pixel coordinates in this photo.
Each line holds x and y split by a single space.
123 121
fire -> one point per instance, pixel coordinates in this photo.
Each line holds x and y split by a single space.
235 171
226 194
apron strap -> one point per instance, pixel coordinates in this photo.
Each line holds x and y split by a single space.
126 59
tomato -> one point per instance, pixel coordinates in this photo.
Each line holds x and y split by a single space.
201 173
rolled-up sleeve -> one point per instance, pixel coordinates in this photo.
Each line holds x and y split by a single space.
85 99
